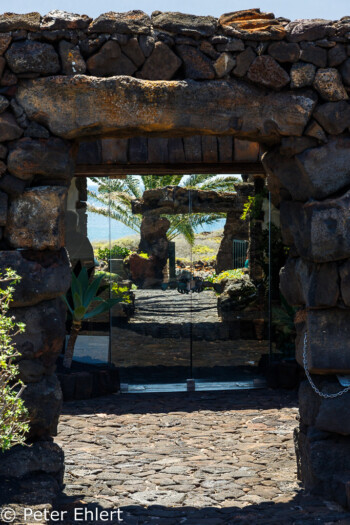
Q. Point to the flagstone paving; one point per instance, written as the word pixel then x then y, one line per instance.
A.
pixel 192 459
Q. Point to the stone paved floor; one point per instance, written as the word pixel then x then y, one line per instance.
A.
pixel 192 459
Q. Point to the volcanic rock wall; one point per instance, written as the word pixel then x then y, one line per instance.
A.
pixel 286 85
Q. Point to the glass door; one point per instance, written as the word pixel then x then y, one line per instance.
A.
pixel 230 311
pixel 150 328
pixel 192 279
pixel 87 237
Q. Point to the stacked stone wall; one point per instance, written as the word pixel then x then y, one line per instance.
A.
pixel 64 77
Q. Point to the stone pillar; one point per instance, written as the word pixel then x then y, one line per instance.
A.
pixel 311 184
pixel 255 234
pixel 154 242
pixel 33 203
pixel 235 228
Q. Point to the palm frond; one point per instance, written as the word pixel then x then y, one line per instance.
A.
pixel 116 197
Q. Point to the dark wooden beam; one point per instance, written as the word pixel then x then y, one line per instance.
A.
pixel 110 170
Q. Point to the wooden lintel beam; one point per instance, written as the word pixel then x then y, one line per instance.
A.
pixel 109 170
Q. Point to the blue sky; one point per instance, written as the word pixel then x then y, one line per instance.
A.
pixel 333 10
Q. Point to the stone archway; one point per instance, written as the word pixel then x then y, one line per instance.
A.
pixel 248 75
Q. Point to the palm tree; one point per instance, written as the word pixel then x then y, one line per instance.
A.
pixel 116 196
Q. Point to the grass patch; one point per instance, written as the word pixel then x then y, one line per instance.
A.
pixel 202 249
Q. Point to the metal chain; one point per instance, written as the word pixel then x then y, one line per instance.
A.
pixel 314 387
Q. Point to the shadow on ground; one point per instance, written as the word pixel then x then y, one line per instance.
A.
pixel 303 509
pixel 185 402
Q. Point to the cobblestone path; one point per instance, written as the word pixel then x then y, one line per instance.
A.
pixel 191 459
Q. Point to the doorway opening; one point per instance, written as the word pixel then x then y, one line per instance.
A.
pixel 193 276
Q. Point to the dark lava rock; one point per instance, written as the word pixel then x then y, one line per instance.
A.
pixel 36 218
pixel 43 456
pixel 44 275
pixel 8 79
pixel 328 328
pixel 243 62
pixel 12 185
pixel 5 41
pixel 9 129
pixel 266 71
pixel 145 273
pixel 336 55
pixel 328 218
pixel 344 272
pixel 304 283
pixel 89 46
pixel 236 296
pixel 313 54
pixel 4 103
pixel 3 210
pixel 207 48
pixel 2 65
pixel 45 330
pixel 284 51
pixel 146 44
pixel 132 22
pixel 234 44
pixel 197 65
pixel 334 117
pixel 36 131
pixel 328 83
pixel 50 158
pixel 224 64
pixel 315 130
pixel 302 75
pixel 314 29
pixel 13 21
pixel 32 370
pixel 72 61
pixel 345 72
pixel 184 24
pixel 162 64
pixel 110 61
pixel 3 151
pixel 133 51
pixel 62 20
pixel 32 57
pixel 44 403
pixel 293 145
pixel 299 176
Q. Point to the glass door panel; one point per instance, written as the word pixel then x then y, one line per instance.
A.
pixel 86 232
pixel 150 333
pixel 230 314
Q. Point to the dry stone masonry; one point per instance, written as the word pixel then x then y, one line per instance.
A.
pixel 65 79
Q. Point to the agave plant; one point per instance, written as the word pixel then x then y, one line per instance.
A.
pixel 83 293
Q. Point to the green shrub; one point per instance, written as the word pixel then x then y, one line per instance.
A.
pixel 201 248
pixel 108 276
pixel 13 424
pixel 143 255
pixel 121 292
pixel 116 252
pixel 229 274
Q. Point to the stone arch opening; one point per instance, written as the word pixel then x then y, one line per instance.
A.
pixel 282 84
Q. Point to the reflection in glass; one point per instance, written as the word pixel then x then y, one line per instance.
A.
pixel 191 270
